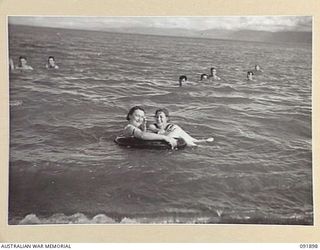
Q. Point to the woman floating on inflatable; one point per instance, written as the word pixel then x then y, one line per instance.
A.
pixel 136 129
pixel 163 135
pixel 162 127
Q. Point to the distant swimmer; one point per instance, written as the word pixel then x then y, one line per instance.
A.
pixel 204 77
pixel 22 65
pixel 51 63
pixel 163 127
pixel 213 74
pixel 257 69
pixel 182 79
pixel 250 76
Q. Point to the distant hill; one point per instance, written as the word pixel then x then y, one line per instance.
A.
pixel 260 36
pixel 241 35
pixel 156 31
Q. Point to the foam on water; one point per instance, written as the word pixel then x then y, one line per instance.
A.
pixel 16 103
pixel 219 217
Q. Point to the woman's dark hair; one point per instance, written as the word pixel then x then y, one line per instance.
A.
pixel 51 57
pixel 202 76
pixel 132 110
pixel 182 77
pixel 212 68
pixel 163 110
pixel 250 72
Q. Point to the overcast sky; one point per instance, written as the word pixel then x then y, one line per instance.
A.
pixel 266 23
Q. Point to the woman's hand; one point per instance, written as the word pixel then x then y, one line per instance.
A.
pixel 171 141
pixel 11 64
pixel 161 131
pixel 144 124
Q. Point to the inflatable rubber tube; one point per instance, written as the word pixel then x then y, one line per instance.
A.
pixel 133 142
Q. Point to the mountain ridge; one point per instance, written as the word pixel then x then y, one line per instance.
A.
pixel 222 34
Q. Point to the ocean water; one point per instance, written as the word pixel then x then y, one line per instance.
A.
pixel 65 167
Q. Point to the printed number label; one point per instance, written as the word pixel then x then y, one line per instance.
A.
pixel 308 245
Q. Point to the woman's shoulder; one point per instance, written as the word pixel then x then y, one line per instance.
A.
pixel 129 130
pixel 50 67
pixel 129 127
pixel 170 127
pixel 24 68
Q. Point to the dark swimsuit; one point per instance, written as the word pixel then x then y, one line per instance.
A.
pixel 168 127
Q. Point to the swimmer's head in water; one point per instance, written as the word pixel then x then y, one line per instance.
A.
pixel 213 70
pixel 132 110
pixel 203 77
pixel 182 79
pixel 161 111
pixel 22 61
pixel 51 61
pixel 250 75
pixel 257 67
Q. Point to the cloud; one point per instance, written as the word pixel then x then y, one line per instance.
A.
pixel 267 23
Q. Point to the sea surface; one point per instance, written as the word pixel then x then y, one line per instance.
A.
pixel 65 167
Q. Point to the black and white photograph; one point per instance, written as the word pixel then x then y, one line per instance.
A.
pixel 160 120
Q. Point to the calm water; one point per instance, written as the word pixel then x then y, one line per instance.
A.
pixel 65 167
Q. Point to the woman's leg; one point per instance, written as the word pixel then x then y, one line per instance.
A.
pixel 180 133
